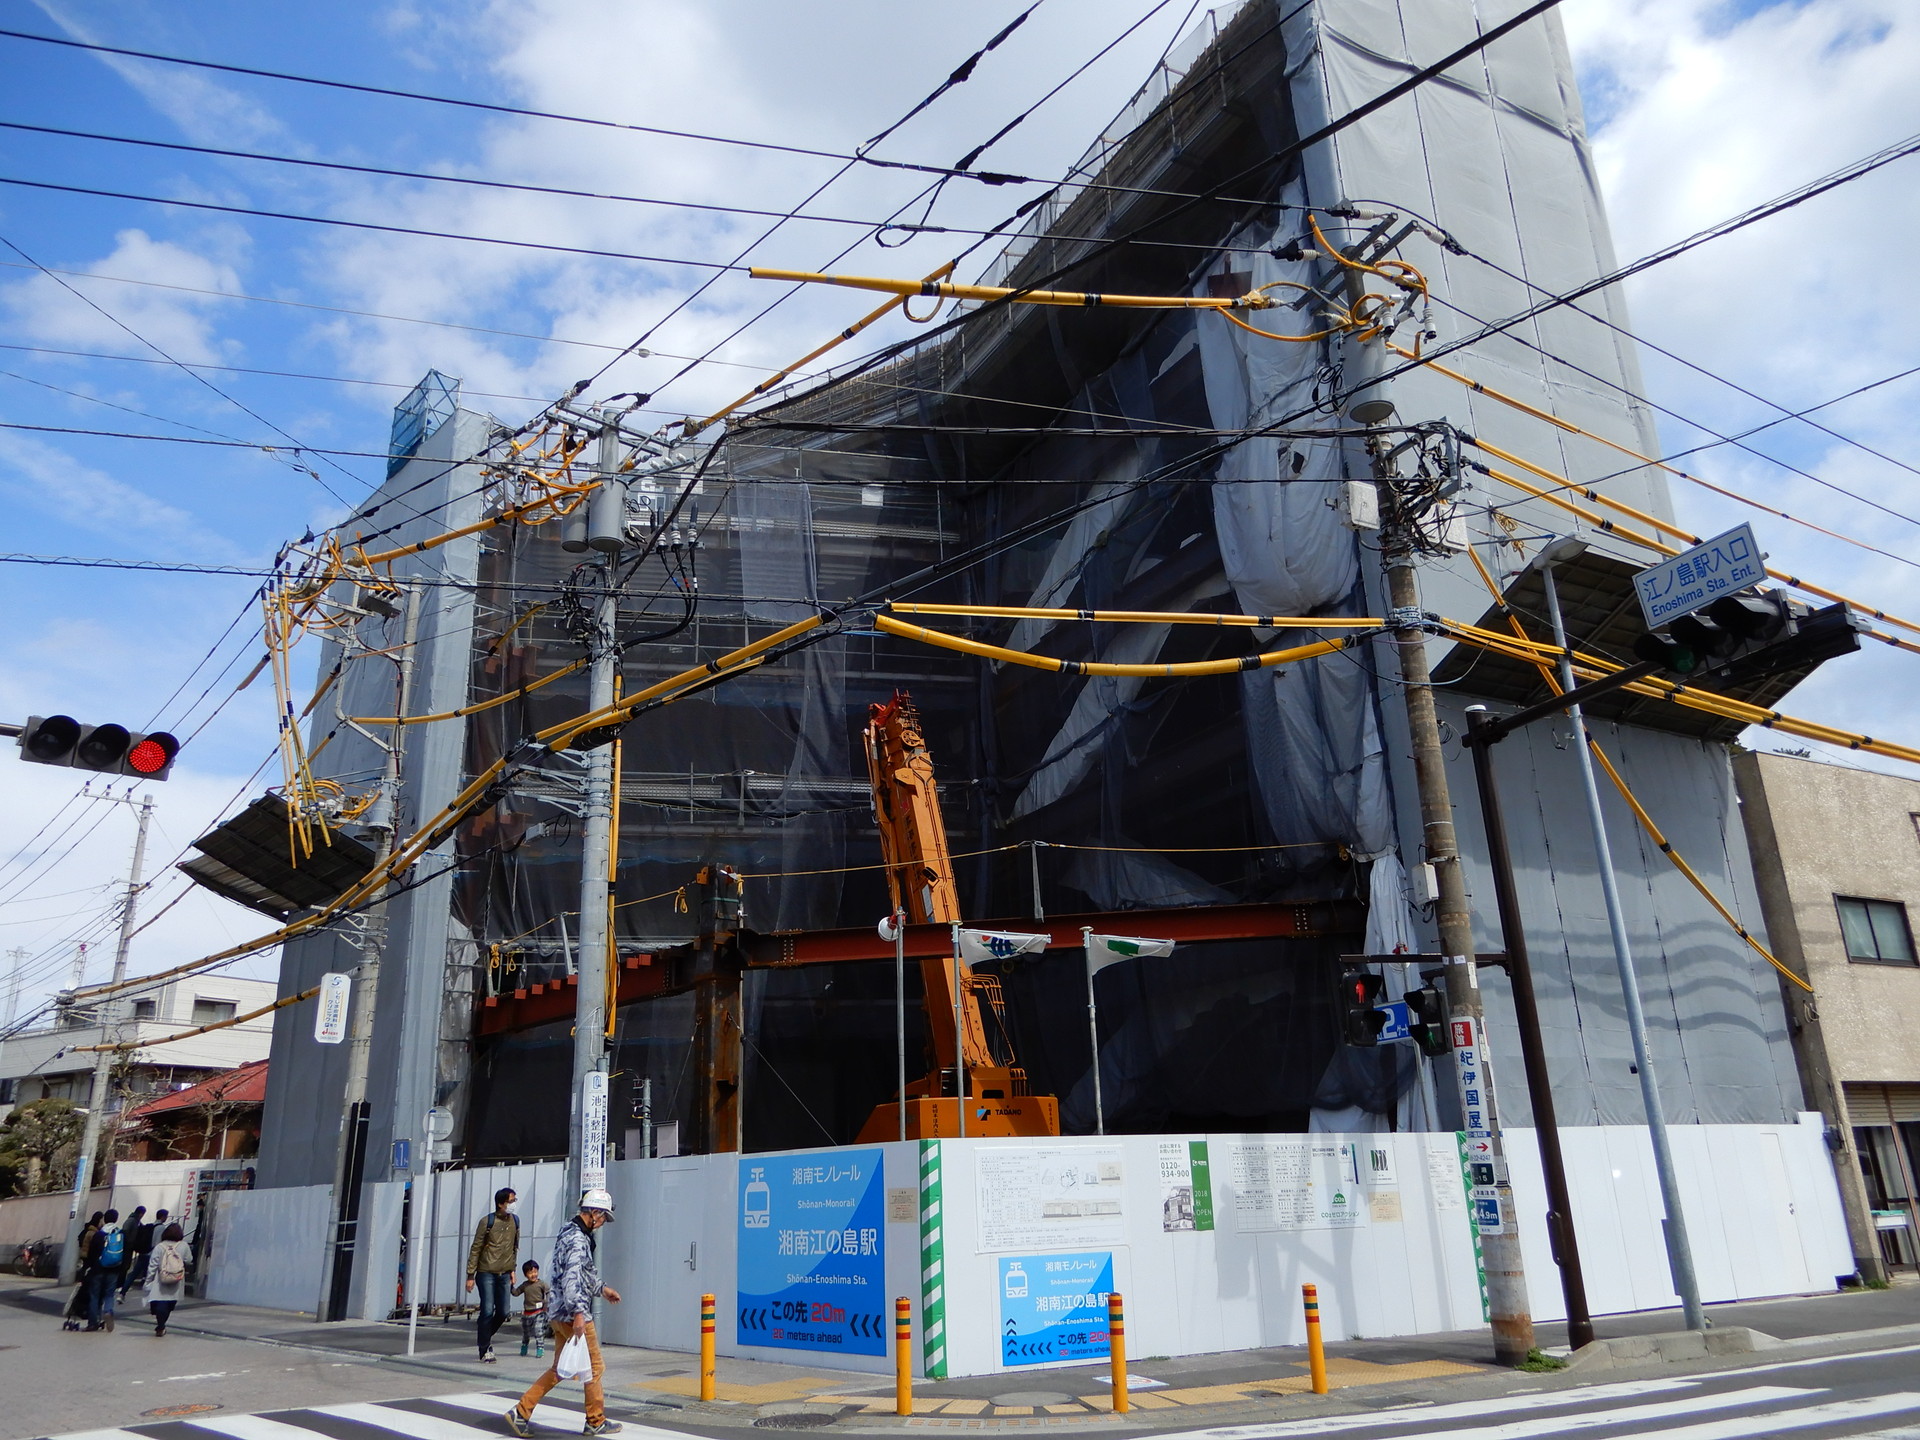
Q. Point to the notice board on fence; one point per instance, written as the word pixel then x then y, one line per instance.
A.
pixel 1294 1182
pixel 812 1252
pixel 1047 1197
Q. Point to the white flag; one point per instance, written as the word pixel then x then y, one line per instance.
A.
pixel 1105 950
pixel 979 945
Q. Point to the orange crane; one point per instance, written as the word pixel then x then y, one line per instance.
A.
pixel 913 843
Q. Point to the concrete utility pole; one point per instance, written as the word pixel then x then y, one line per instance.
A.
pixel 1500 1252
pixel 109 1009
pixel 350 1161
pixel 1679 1251
pixel 607 507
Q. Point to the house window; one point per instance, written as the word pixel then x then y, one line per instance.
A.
pixel 1876 931
pixel 211 1012
pixel 143 1009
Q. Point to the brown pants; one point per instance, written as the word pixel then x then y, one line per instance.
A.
pixel 596 1396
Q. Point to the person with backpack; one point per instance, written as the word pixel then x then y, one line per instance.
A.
pixel 108 1254
pixel 139 1246
pixel 490 1261
pixel 167 1275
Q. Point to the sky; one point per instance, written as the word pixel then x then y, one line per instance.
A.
pixel 307 334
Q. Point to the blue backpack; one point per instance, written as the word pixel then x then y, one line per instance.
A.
pixel 114 1249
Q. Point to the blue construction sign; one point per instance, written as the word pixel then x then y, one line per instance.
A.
pixel 812 1252
pixel 1054 1307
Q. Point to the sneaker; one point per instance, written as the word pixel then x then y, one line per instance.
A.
pixel 605 1427
pixel 487 1359
pixel 107 1324
pixel 516 1422
pixel 523 1349
pixel 539 1352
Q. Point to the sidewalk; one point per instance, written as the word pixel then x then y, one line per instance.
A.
pixel 1248 1385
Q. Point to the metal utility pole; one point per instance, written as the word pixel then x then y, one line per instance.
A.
pixel 1526 1012
pixel 596 846
pixel 18 955
pixel 1500 1249
pixel 350 1161
pixel 1679 1251
pixel 109 1009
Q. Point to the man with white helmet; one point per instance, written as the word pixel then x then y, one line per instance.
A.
pixel 575 1278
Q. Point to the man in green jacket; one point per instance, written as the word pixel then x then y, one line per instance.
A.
pixel 490 1264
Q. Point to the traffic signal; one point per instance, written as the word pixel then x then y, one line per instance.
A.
pixel 1750 634
pixel 1427 1017
pixel 1356 1002
pixel 106 749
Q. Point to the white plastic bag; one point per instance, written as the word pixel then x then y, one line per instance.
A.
pixel 573 1361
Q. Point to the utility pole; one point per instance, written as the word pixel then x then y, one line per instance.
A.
pixel 1679 1251
pixel 350 1161
pixel 1561 1239
pixel 606 520
pixel 18 955
pixel 109 1009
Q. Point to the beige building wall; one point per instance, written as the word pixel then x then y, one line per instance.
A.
pixel 1819 831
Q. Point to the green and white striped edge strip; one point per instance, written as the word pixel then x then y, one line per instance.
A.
pixel 933 1279
pixel 1479 1252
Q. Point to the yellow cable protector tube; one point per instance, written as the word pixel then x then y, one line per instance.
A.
pixel 1096 667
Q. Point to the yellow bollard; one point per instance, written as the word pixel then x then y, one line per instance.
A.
pixel 706 1347
pixel 903 1356
pixel 1316 1352
pixel 1117 1349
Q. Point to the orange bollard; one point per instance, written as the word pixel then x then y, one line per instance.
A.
pixel 1316 1352
pixel 706 1347
pixel 1117 1350
pixel 903 1356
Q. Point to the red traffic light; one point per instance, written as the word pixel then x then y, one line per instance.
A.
pixel 106 749
pixel 151 754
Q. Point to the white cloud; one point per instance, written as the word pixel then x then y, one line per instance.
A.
pixel 183 325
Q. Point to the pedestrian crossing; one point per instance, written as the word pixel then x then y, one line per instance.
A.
pixel 474 1416
pixel 1641 1410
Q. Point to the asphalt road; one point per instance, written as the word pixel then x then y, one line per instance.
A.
pixel 82 1379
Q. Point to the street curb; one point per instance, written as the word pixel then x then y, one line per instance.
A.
pixel 1670 1348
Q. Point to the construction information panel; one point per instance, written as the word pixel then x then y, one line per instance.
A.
pixel 1294 1183
pixel 813 1252
pixel 1053 1308
pixel 1041 1199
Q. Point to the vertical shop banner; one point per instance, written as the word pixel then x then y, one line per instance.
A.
pixel 812 1252
pixel 1053 1308
pixel 1186 1186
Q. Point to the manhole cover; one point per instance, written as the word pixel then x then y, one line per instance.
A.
pixel 806 1420
pixel 1032 1397
pixel 173 1412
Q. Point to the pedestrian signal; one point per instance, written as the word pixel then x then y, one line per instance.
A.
pixel 1356 1001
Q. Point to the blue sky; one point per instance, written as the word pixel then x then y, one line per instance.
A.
pixel 1707 108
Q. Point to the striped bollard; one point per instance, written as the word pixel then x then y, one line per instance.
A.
pixel 1316 1352
pixel 903 1356
pixel 706 1347
pixel 1117 1350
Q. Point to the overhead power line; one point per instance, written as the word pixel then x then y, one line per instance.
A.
pixel 367 225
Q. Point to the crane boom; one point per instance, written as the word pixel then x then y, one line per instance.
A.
pixel 913 843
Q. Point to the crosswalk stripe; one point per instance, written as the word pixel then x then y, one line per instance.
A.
pixel 1427 1414
pixel 252 1427
pixel 416 1427
pixel 1636 1414
pixel 1838 1412
pixel 564 1417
